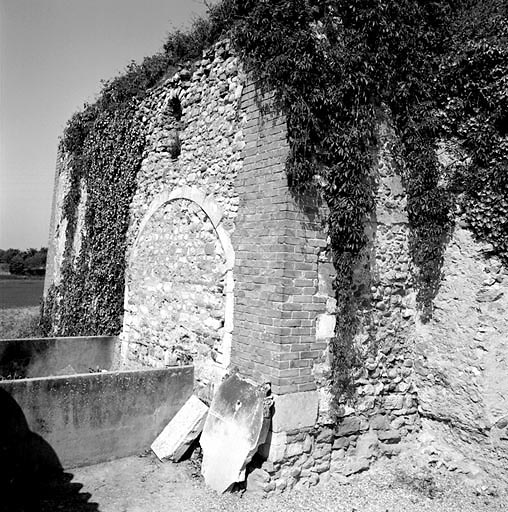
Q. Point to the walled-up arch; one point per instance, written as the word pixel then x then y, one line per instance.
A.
pixel 179 286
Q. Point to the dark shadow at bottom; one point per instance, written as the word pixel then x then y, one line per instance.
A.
pixel 31 476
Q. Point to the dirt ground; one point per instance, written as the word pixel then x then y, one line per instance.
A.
pixel 143 484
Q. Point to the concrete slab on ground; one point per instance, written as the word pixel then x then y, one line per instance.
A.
pixel 181 431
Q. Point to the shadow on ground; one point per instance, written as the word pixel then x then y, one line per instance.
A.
pixel 31 476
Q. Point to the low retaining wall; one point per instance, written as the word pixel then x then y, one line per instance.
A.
pixel 76 420
pixel 41 357
pixel 93 418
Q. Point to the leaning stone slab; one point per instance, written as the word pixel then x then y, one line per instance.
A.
pixel 179 433
pixel 235 426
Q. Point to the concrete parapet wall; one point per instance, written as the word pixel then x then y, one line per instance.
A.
pixel 87 419
pixel 41 357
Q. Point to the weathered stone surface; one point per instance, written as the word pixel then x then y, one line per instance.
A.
pixel 181 431
pixel 179 293
pixel 379 422
pixel 257 481
pixel 394 401
pixel 294 411
pixel 352 465
pixel 367 445
pixel 389 436
pixel 461 375
pixel 325 436
pixel 233 430
pixel 325 326
pixel 341 442
pixel 450 373
pixel 348 426
pixel 274 447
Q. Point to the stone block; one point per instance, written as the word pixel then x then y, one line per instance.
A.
pixel 325 326
pixel 295 411
pixel 257 480
pixel 325 279
pixel 389 436
pixel 338 455
pixel 394 183
pixel 307 444
pixel 394 401
pixel 181 431
pixel 322 451
pixel 379 422
pixel 313 479
pixel 274 449
pixel 321 468
pixel 341 443
pixel 367 445
pixel 391 217
pixel 280 484
pixel 349 425
pixel 390 450
pixel 325 436
pixel 355 465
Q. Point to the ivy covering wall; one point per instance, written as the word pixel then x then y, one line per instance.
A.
pixel 105 143
pixel 438 69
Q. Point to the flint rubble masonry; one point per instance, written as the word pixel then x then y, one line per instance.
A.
pixel 226 268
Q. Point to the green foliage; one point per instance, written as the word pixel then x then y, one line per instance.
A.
pixel 299 50
pixel 93 284
pixel 17 266
pixel 475 112
pixel 181 47
pixel 105 142
pixel 337 67
pixel 6 255
pixel 28 262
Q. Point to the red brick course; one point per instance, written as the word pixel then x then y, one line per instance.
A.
pixel 276 249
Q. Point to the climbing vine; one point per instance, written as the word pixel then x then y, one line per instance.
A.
pixel 475 114
pixel 336 66
pixel 440 71
pixel 104 143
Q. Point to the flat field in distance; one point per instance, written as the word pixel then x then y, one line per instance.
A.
pixel 18 292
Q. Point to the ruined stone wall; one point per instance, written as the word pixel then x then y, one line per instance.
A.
pixel 178 303
pixel 385 408
pixel 306 444
pixel 438 389
pixel 462 363
pixel 58 225
pixel 227 268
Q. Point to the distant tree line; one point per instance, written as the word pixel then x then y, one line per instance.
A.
pixel 31 262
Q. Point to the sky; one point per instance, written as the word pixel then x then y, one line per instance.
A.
pixel 53 54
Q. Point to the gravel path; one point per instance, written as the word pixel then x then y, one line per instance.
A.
pixel 143 484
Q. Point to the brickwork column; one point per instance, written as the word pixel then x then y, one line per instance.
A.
pixel 281 326
pixel 277 244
